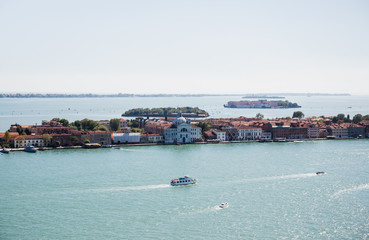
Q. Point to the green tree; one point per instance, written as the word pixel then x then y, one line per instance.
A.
pixel 133 123
pixel 205 126
pixel 46 138
pixel 74 140
pixel 77 124
pixel 340 117
pixel 259 116
pixel 114 124
pixel 140 130
pixel 347 119
pixel 64 122
pixel 357 118
pixel 101 128
pixel 89 125
pixel 366 117
pixel 298 114
pixel 27 131
pixel 20 129
pixel 7 138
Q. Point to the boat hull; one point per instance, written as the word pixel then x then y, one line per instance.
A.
pixel 182 184
pixel 183 181
pixel 30 149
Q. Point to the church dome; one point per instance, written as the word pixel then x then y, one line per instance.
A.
pixel 179 119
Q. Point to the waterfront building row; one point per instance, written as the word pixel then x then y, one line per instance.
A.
pixel 181 130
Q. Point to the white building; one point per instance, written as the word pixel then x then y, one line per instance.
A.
pixel 151 138
pixel 126 137
pixel 196 133
pixel 181 131
pixel 29 140
pixel 221 135
pixel 249 133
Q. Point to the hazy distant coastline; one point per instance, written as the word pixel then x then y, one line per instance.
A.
pixel 91 95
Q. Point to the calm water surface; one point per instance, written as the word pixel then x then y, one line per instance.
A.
pixel 272 191
pixel 34 110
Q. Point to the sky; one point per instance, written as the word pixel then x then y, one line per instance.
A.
pixel 181 47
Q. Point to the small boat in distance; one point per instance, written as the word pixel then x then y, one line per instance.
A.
pixel 223 205
pixel 186 180
pixel 30 149
pixel 319 173
pixel 5 150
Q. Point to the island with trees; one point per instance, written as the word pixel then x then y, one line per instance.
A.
pixel 261 104
pixel 59 132
pixel 189 112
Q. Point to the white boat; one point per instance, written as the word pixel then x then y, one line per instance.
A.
pixel 223 205
pixel 4 150
pixel 30 149
pixel 186 180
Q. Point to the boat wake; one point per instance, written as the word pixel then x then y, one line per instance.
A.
pixel 351 190
pixel 130 150
pixel 290 176
pixel 133 188
pixel 216 208
pixel 202 211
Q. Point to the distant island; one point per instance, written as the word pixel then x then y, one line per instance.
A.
pixel 189 112
pixel 118 95
pixel 272 95
pixel 261 104
pixel 262 96
pixel 92 95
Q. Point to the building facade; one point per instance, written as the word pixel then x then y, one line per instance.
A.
pixel 29 140
pixel 151 138
pixel 221 135
pixel 100 137
pixel 181 131
pixel 127 137
pixel 249 133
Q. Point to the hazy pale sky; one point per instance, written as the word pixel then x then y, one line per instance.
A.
pixel 192 46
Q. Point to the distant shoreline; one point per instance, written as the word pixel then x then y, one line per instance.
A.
pixel 127 95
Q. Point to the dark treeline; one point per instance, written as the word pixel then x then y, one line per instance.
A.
pixel 163 111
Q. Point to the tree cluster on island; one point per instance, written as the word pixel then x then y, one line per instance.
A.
pixel 261 104
pixel 164 111
pixel 287 104
pixel 340 118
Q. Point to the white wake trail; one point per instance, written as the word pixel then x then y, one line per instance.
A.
pixel 350 190
pixel 273 178
pixel 131 188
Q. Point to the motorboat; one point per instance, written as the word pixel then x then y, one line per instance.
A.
pixel 5 150
pixel 30 149
pixel 319 173
pixel 223 205
pixel 186 180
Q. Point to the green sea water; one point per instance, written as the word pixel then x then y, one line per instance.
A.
pixel 272 191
